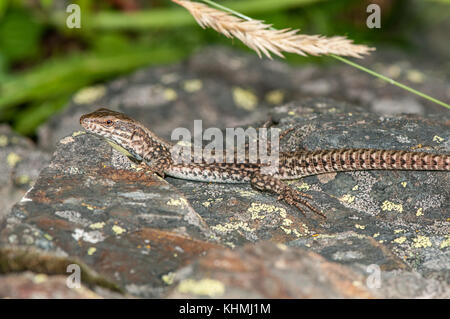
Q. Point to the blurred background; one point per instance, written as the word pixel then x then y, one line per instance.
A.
pixel 43 63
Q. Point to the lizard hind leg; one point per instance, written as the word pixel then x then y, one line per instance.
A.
pixel 291 196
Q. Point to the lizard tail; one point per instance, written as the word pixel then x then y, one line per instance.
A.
pixel 318 162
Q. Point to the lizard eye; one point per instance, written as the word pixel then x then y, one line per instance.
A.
pixel 109 122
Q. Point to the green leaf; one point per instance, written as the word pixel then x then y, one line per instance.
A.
pixel 61 76
pixel 3 6
pixel 19 35
pixel 46 3
pixel 26 121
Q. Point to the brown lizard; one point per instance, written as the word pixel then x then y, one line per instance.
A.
pixel 155 152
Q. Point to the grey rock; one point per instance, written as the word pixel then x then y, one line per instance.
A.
pixel 29 285
pixel 140 231
pixel 267 270
pixel 393 106
pixel 270 270
pixel 386 233
pixel 20 164
pixel 228 88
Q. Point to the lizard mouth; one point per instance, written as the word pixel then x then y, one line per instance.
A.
pixel 84 122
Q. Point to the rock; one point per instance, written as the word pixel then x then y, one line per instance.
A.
pixel 27 272
pixel 91 203
pixel 386 233
pixel 391 106
pixel 142 232
pixel 228 88
pixel 39 286
pixel 270 270
pixel 20 164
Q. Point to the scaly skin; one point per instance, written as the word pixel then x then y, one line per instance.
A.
pixel 155 152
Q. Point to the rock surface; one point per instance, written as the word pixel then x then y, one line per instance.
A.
pixel 228 88
pixel 269 270
pixel 141 232
pixel 20 164
pixel 136 235
pixel 39 286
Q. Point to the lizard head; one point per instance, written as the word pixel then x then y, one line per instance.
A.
pixel 114 126
pixel 109 124
pixel 123 131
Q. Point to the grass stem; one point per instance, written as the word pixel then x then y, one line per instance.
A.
pixel 344 60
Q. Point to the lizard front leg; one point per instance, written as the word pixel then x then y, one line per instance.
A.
pixel 158 168
pixel 289 195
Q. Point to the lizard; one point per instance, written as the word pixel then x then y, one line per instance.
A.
pixel 155 153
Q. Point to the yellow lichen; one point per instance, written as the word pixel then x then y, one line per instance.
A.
pixel 400 240
pixel 247 193
pixel 419 212
pixel 422 242
pixel 286 230
pixel 394 71
pixel 39 278
pixel 168 278
pixel 12 159
pixel 203 287
pixel 244 99
pixel 88 206
pixel 415 76
pixel 303 186
pixel 181 202
pixel 296 233
pixel 23 179
pixel 192 85
pixel 137 168
pixel 99 225
pixel 90 94
pixel 390 206
pixel 228 227
pixel 3 140
pixel 437 139
pixel 170 94
pixel 404 184
pixel 347 198
pixel 206 204
pixel 258 207
pixel 360 226
pixel 256 215
pixel 118 230
pixel 275 97
pixel 445 243
pixel 91 251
